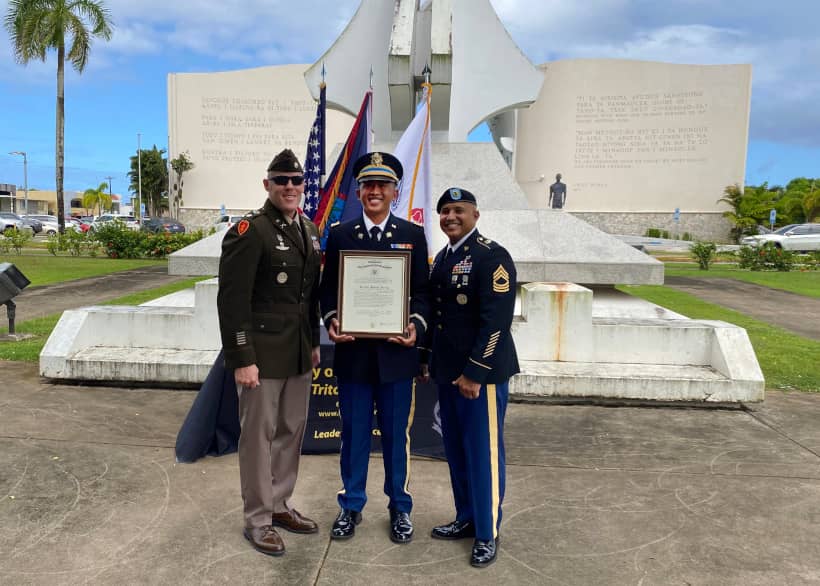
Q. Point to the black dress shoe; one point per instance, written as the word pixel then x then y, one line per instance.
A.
pixel 454 530
pixel 345 524
pixel 401 527
pixel 483 553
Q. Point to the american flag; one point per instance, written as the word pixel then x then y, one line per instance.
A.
pixel 315 159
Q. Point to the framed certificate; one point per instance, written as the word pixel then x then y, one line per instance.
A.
pixel 374 293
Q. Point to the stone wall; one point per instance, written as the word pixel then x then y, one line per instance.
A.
pixel 204 218
pixel 635 136
pixel 702 226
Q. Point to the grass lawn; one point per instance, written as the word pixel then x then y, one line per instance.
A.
pixel 803 283
pixel 29 350
pixel 788 361
pixel 47 269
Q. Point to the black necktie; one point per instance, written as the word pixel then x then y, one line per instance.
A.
pixel 447 253
pixel 374 233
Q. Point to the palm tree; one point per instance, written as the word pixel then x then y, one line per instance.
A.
pixel 36 26
pixel 97 197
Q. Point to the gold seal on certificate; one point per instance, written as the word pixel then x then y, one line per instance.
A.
pixel 374 293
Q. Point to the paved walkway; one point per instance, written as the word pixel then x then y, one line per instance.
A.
pixel 44 300
pixel 90 494
pixel 797 313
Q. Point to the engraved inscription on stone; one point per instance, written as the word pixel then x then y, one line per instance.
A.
pixel 641 130
pixel 245 129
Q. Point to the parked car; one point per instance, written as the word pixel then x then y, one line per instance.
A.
pixel 11 221
pixel 758 239
pixel 36 225
pixel 129 221
pixel 798 237
pixel 51 225
pixel 225 222
pixel 168 225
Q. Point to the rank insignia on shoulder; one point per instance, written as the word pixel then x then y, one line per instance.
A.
pixel 243 226
pixel 335 224
pixel 501 280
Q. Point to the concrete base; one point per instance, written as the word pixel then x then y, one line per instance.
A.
pixel 572 342
pixel 174 341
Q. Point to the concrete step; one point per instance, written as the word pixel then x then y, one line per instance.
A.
pixel 166 365
pixel 628 381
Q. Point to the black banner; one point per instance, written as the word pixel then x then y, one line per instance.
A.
pixel 212 424
pixel 324 425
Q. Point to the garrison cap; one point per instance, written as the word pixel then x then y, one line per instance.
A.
pixel 285 162
pixel 453 195
pixel 378 167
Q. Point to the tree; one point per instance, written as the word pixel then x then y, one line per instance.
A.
pixel 97 197
pixel 750 207
pixel 154 180
pixel 37 26
pixel 180 165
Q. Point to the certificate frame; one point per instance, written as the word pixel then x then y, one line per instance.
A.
pixel 374 293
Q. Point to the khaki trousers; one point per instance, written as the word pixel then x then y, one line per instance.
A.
pixel 272 417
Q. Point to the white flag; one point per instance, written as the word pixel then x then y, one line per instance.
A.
pixel 415 200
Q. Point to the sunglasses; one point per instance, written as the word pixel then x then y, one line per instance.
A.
pixel 283 179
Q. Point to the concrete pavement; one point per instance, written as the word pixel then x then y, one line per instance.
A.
pixel 90 494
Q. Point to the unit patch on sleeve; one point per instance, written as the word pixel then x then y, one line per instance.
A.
pixel 243 226
pixel 501 280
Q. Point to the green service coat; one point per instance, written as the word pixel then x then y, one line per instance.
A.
pixel 268 293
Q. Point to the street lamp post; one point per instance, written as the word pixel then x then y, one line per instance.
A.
pixel 110 194
pixel 139 177
pixel 25 177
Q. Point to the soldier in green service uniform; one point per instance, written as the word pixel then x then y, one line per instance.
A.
pixel 269 322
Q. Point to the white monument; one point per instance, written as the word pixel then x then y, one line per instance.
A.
pixel 576 335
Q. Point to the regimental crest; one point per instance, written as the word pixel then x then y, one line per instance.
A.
pixel 501 280
pixel 377 159
pixel 455 194
pixel 243 226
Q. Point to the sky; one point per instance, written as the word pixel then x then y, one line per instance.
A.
pixel 122 92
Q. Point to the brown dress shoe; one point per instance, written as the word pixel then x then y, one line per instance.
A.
pixel 294 522
pixel 265 539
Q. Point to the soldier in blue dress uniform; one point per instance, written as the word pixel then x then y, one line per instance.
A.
pixel 471 357
pixel 376 372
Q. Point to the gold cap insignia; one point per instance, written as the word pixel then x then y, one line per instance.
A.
pixel 501 280
pixel 377 159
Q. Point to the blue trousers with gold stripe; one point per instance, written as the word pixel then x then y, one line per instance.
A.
pixel 395 404
pixel 473 432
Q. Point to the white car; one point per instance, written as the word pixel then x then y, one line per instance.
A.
pixel 51 225
pixel 225 222
pixel 798 237
pixel 129 221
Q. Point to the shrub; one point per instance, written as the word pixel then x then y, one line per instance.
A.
pixel 5 244
pixel 17 239
pixel 766 258
pixel 703 253
pixel 653 233
pixel 119 241
pixel 665 234
pixel 687 237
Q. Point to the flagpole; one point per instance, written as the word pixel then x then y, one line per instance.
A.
pixel 429 90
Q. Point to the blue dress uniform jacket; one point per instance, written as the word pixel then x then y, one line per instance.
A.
pixel 473 293
pixel 268 299
pixel 472 300
pixel 368 360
